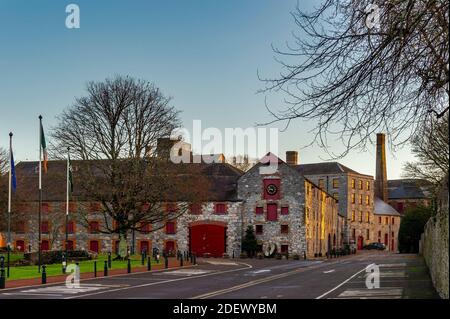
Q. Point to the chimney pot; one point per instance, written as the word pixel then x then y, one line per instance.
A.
pixel 292 157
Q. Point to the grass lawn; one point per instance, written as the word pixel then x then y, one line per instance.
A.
pixel 27 272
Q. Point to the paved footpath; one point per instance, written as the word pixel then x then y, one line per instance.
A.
pixel 401 276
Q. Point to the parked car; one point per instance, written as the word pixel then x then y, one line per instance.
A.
pixel 377 246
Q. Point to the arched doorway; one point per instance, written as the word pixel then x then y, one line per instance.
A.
pixel 360 242
pixel 208 239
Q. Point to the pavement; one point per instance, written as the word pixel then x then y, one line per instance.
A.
pixel 400 276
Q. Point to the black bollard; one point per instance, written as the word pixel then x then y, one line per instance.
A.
pixel 109 260
pixel 64 263
pixel 304 255
pixel 129 266
pixel 44 274
pixel 143 259
pixel 95 269
pixel 181 262
pixel 166 262
pixel 195 259
pixel 2 278
pixel 149 263
pixel 191 256
pixel 105 269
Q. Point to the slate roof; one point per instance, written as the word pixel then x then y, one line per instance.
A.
pixel 408 189
pixel 221 179
pixel 383 208
pixel 325 168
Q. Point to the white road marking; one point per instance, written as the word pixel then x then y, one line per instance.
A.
pixel 343 283
pixel 59 291
pixel 328 271
pixel 261 271
pixel 247 266
pixel 399 265
pixel 222 263
pixel 186 272
pixel 387 292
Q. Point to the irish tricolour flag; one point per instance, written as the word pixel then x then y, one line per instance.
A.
pixel 44 149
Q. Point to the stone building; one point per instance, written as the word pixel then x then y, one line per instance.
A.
pixel 288 211
pixel 353 190
pixel 290 214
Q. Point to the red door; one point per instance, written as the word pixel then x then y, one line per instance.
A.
pixel 386 242
pixel 93 246
pixel 208 239
pixel 360 242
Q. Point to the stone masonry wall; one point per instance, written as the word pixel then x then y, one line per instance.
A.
pixel 435 245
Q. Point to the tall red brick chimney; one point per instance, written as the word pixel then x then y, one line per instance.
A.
pixel 381 174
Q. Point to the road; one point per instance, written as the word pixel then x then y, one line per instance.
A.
pixel 401 276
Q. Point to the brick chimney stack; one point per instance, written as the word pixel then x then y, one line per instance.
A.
pixel 381 174
pixel 292 157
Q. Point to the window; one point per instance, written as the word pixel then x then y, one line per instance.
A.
pixel 368 185
pixel 285 210
pixel 336 195
pixel 221 209
pixel 70 227
pixel 195 209
pixel 94 246
pixel 368 217
pixel 360 217
pixel 354 234
pixel 393 220
pixel 45 227
pixel 272 214
pixel 146 228
pixel 271 189
pixel 360 184
pixel 285 229
pixel 379 234
pixel 170 246
pixel 367 234
pixel 353 183
pixel 20 227
pixel 46 208
pixel 360 199
pixel 171 207
pixel 259 229
pixel 20 245
pixel 321 183
pixel 367 200
pixel 353 216
pixel 70 245
pixel 95 207
pixel 284 249
pixel 353 198
pixel 335 183
pixel 45 245
pixel 379 220
pixel 170 228
pixel 259 211
pixel 386 220
pixel 94 227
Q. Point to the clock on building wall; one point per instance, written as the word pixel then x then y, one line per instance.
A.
pixel 271 189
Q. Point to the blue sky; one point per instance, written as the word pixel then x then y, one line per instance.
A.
pixel 203 53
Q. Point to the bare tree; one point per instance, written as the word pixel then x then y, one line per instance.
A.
pixel 114 130
pixel 430 145
pixel 355 77
pixel 4 159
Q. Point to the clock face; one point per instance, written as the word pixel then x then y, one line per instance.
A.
pixel 271 189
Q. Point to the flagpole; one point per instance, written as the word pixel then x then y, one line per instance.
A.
pixel 9 204
pixel 67 201
pixel 40 194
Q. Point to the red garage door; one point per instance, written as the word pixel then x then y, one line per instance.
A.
pixel 208 239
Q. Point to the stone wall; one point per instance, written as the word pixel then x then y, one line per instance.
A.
pixel 434 245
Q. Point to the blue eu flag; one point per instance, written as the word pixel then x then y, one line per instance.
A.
pixel 13 173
